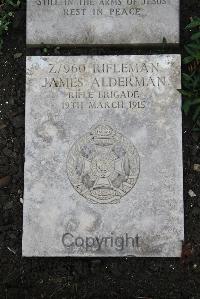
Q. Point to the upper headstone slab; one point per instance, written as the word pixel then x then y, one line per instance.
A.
pixel 102 22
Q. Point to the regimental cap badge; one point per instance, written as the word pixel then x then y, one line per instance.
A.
pixel 103 165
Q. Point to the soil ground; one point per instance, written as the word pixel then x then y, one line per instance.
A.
pixel 94 278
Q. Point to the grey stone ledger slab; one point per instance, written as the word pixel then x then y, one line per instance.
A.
pixel 102 22
pixel 103 157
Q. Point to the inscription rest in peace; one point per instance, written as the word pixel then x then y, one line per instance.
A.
pixel 106 7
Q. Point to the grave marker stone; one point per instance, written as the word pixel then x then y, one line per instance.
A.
pixel 103 158
pixel 102 22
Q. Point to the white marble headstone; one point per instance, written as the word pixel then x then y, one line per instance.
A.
pixel 103 158
pixel 105 22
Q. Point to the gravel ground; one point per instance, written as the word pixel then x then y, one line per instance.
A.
pixel 89 277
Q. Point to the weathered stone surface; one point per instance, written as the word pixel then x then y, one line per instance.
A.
pixel 102 21
pixel 103 162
